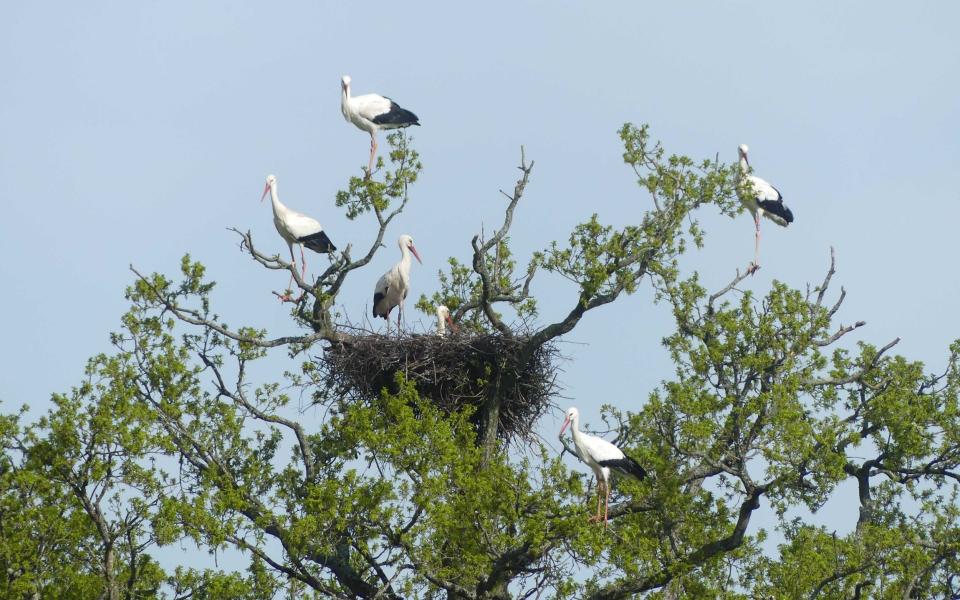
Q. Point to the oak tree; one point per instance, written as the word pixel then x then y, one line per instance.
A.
pixel 394 494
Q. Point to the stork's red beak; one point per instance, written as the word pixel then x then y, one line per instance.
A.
pixel 266 190
pixel 453 326
pixel 565 423
pixel 415 253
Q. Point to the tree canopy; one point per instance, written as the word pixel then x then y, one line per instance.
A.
pixel 171 440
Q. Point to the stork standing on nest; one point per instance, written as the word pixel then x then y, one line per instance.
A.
pixel 296 228
pixel 444 319
pixel 601 456
pixel 373 112
pixel 761 199
pixel 392 287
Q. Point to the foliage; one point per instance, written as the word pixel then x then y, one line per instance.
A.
pixel 171 439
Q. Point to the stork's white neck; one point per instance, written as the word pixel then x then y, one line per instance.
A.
pixel 575 427
pixel 441 325
pixel 278 207
pixel 345 101
pixel 405 260
pixel 579 439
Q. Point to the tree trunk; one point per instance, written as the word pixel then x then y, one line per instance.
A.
pixel 490 424
pixel 113 590
pixel 490 415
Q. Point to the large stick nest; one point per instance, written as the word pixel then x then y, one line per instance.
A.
pixel 453 371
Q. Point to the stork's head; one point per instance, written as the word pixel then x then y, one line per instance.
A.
pixel 743 149
pixel 443 317
pixel 345 82
pixel 406 243
pixel 443 313
pixel 572 415
pixel 271 182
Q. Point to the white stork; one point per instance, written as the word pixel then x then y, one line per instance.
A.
pixel 392 287
pixel 373 112
pixel 601 456
pixel 763 199
pixel 444 319
pixel 296 228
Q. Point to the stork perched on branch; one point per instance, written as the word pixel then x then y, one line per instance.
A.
pixel 601 456
pixel 296 228
pixel 392 287
pixel 373 112
pixel 762 199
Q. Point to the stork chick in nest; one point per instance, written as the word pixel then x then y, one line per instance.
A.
pixel 444 319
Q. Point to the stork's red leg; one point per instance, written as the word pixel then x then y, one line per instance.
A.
pixel 606 506
pixel 596 517
pixel 303 260
pixel 756 245
pixel 600 487
pixel 293 260
pixel 373 153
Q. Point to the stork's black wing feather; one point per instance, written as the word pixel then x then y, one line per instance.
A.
pixel 625 465
pixel 318 242
pixel 776 207
pixel 377 297
pixel 396 117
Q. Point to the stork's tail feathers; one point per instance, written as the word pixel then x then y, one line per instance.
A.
pixel 626 465
pixel 776 211
pixel 318 242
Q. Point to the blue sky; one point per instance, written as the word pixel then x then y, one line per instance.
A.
pixel 133 132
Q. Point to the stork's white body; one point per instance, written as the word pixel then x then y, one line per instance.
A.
pixel 592 449
pixel 600 455
pixel 762 192
pixel 290 224
pixel 362 110
pixel 392 287
pixel 373 112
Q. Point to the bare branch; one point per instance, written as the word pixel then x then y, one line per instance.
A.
pixel 826 280
pixel 737 279
pixel 513 297
pixel 490 287
pixel 839 334
pixel 195 318
pixel 271 262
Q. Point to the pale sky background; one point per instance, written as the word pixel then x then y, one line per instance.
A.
pixel 133 132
